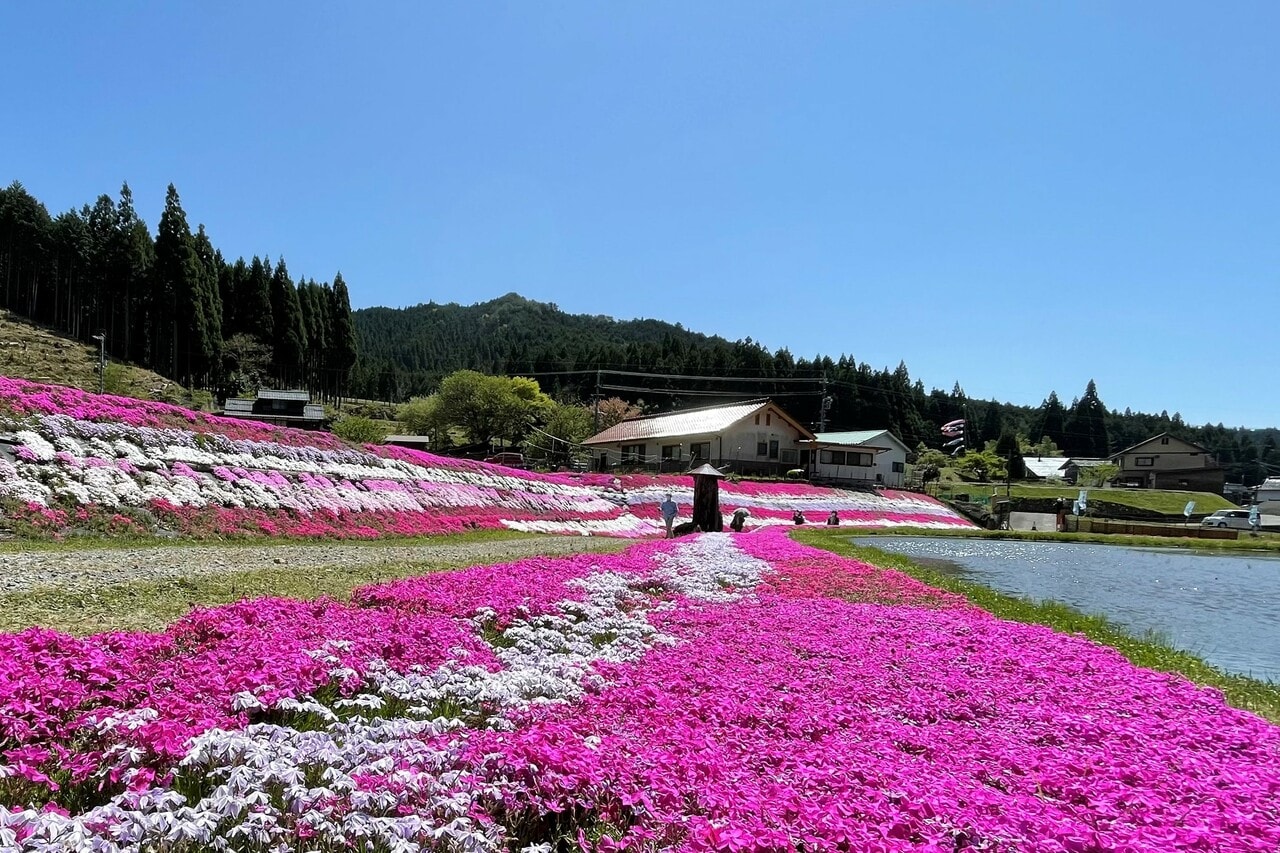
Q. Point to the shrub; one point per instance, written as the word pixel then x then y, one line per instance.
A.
pixel 360 430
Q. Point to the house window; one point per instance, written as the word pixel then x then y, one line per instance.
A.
pixel 757 420
pixel 762 448
pixel 1144 461
pixel 670 451
pixel 773 449
pixel 831 457
pixel 899 467
pixel 632 453
pixel 1164 439
pixel 862 460
pixel 790 457
pixel 700 450
pixel 768 419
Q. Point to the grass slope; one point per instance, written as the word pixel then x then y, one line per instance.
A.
pixel 1158 501
pixel 28 351
pixel 1260 697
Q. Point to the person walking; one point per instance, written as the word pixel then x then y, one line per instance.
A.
pixel 668 509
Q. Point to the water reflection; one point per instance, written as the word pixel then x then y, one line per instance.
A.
pixel 1223 607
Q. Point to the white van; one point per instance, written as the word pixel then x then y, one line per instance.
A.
pixel 1235 518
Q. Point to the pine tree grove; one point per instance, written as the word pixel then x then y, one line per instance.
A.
pixel 170 302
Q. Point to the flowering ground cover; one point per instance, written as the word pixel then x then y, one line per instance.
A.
pixel 719 692
pixel 113 465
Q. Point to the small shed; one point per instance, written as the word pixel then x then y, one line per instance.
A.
pixel 282 408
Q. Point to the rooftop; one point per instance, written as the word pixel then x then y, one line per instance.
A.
pixel 706 421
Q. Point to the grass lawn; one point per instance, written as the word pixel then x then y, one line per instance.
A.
pixel 1260 697
pixel 150 605
pixel 1164 502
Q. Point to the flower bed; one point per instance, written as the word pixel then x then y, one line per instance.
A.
pixel 119 466
pixel 703 694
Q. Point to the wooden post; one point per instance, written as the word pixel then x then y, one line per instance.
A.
pixel 706 499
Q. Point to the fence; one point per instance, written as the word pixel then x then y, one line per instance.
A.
pixel 1094 525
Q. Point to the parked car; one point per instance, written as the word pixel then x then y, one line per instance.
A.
pixel 1236 518
pixel 510 460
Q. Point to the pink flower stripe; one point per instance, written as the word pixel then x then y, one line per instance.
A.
pixel 125 466
pixel 23 397
pixel 787 699
pixel 543 582
pixel 863 727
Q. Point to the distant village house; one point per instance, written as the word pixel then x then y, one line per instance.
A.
pixel 756 437
pixel 861 457
pixel 1168 462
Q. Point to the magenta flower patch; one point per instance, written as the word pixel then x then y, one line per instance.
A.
pixel 712 693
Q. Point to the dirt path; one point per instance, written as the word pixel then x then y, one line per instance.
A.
pixel 93 569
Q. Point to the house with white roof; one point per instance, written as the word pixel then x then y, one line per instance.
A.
pixel 859 457
pixel 1045 467
pixel 752 437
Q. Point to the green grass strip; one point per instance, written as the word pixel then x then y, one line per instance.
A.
pixel 1260 697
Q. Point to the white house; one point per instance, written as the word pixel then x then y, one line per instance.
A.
pixel 1268 495
pixel 754 437
pixel 870 456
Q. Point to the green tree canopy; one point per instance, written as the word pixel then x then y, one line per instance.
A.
pixel 489 407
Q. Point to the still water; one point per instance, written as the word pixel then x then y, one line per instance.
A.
pixel 1224 608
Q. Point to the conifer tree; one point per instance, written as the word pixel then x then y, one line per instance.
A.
pixel 289 342
pixel 1086 429
pixel 183 343
pixel 134 257
pixel 1050 421
pixel 342 339
pixel 314 302
pixel 255 302
pixel 231 279
pixel 210 299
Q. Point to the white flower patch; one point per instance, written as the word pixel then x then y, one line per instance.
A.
pixel 626 525
pixel 270 786
pixel 35 442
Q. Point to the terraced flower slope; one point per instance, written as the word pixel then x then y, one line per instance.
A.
pixel 723 692
pixel 123 465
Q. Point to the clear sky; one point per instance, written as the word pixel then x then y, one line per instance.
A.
pixel 1017 196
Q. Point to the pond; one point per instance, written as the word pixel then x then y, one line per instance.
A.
pixel 1225 608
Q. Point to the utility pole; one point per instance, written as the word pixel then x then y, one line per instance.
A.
pixel 595 420
pixel 826 404
pixel 101 338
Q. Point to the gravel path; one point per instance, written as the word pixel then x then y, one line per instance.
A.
pixel 93 569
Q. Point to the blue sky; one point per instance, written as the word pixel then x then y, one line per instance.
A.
pixel 1017 196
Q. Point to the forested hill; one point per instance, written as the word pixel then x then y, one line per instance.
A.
pixel 404 352
pixel 407 350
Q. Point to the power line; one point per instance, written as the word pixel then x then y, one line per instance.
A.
pixel 676 392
